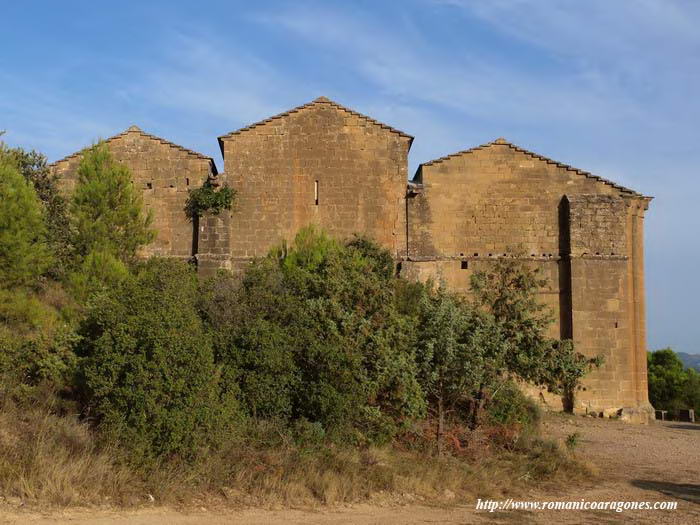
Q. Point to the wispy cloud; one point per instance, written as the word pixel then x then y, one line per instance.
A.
pixel 47 120
pixel 468 81
pixel 644 53
pixel 202 74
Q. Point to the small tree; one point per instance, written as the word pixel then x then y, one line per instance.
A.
pixel 460 354
pixel 24 252
pixel 672 386
pixel 33 167
pixel 567 368
pixel 106 212
pixel 509 291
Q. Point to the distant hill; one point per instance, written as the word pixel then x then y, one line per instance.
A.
pixel 690 360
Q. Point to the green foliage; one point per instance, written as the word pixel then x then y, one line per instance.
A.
pixel 106 212
pixel 33 167
pixel 509 406
pixel 565 370
pixel 509 292
pixel 573 440
pixel 97 272
pixel 460 353
pixel 36 339
pixel 148 371
pixel 209 199
pixel 36 345
pixel 24 252
pixel 672 386
pixel 314 333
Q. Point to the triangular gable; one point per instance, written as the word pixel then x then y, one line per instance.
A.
pixel 319 100
pixel 504 142
pixel 139 131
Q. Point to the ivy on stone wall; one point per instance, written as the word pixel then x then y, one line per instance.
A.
pixel 209 198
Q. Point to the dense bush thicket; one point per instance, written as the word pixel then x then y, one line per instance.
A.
pixel 672 386
pixel 319 340
pixel 313 333
pixel 147 368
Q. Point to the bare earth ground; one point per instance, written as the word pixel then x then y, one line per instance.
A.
pixel 659 462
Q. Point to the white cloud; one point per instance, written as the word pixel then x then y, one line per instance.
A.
pixel 405 66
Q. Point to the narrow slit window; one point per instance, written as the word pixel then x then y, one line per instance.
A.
pixel 316 193
pixel 187 181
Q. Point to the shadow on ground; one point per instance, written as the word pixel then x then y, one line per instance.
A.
pixel 683 491
pixel 687 426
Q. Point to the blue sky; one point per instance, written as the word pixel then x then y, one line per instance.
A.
pixel 610 87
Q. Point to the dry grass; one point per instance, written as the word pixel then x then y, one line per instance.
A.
pixel 55 460
pixel 51 460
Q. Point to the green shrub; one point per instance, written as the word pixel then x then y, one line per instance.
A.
pixel 33 167
pixel 460 353
pixel 509 289
pixel 509 406
pixel 209 199
pixel 312 332
pixel 97 272
pixel 672 386
pixel 36 345
pixel 148 370
pixel 572 441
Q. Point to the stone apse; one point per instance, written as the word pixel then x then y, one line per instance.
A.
pixel 322 163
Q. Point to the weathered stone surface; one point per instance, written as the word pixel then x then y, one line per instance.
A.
pixel 585 234
pixel 638 415
pixel 319 164
pixel 164 172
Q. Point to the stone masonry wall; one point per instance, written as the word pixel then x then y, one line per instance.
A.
pixel 469 209
pixel 318 164
pixel 163 172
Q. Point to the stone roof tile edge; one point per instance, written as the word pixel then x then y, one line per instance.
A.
pixel 502 142
pixel 319 100
pixel 134 129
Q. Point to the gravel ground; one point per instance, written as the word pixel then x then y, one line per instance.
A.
pixel 659 462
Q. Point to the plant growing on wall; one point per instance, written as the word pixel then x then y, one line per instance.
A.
pixel 209 199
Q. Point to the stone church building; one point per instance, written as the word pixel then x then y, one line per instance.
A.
pixel 325 164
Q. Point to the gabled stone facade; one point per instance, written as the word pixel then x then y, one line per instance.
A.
pixel 325 164
pixel 164 172
pixel 585 233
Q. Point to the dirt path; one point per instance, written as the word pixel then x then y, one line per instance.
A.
pixel 637 463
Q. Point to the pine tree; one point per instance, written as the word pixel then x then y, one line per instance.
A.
pixel 33 166
pixel 106 213
pixel 24 253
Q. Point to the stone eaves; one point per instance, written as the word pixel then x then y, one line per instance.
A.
pixel 317 101
pixel 503 142
pixel 139 131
